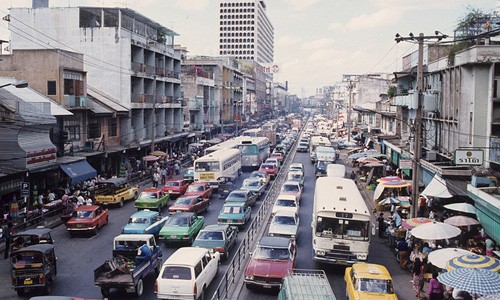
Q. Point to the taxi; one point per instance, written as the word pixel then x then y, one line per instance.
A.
pixel 368 281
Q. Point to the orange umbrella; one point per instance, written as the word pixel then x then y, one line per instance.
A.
pixel 395 184
pixel 389 178
pixel 158 153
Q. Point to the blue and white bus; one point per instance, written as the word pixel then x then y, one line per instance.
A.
pixel 254 151
pixel 211 167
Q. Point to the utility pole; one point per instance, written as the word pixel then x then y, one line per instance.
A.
pixel 153 131
pixel 417 150
pixel 349 78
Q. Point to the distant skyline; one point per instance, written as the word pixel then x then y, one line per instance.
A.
pixel 316 41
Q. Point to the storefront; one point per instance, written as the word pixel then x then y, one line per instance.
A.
pixel 78 171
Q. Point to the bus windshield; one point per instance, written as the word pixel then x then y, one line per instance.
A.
pixel 342 228
pixel 248 149
pixel 206 166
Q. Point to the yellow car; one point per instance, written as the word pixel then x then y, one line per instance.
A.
pixel 114 191
pixel 368 281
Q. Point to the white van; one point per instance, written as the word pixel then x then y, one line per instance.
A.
pixel 187 273
pixel 335 170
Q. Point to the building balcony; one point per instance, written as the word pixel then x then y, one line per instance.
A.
pixel 76 102
pixel 138 67
pixel 409 100
pixel 138 98
pixel 196 103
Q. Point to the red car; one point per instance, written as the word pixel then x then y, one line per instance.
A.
pixel 194 204
pixel 279 156
pixel 87 218
pixel 201 189
pixel 271 261
pixel 176 187
pixel 270 169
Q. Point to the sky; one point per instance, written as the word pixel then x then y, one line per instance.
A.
pixel 316 41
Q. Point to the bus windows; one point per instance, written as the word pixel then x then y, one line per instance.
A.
pixel 206 166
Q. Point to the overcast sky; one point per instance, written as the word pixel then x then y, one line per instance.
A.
pixel 316 41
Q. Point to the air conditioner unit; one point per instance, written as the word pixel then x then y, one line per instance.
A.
pixel 431 155
pixel 89 146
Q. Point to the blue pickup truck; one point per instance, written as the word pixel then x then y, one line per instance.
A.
pixel 134 257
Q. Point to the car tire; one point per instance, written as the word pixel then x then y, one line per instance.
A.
pixel 139 288
pixel 105 292
pixel 135 195
pixel 96 230
pixel 249 286
pixel 21 292
pixel 121 202
pixel 48 288
pixel 107 221
pixel 203 293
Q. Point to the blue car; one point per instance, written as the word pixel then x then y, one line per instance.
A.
pixel 144 221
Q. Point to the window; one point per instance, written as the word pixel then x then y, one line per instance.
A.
pixel 177 273
pixel 112 127
pixel 94 128
pixel 51 88
pixel 197 269
pixel 73 127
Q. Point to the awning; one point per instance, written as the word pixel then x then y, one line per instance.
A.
pixel 437 188
pixel 79 171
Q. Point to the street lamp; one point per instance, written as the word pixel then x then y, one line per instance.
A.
pixel 18 84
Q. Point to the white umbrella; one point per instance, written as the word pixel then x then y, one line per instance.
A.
pixel 440 257
pixel 435 231
pixel 463 207
pixel 461 221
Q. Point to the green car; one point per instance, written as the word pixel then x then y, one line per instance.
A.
pixel 181 227
pixel 153 199
pixel 235 213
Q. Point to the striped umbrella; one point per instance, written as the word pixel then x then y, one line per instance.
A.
pixel 390 200
pixel 476 281
pixel 389 178
pixel 474 261
pixel 414 222
pixel 395 184
pixel 440 257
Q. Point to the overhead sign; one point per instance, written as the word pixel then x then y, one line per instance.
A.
pixel 469 157
pixel 405 164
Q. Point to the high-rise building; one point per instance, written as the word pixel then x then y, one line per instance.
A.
pixel 245 31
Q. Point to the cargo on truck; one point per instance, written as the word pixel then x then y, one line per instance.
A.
pixel 306 284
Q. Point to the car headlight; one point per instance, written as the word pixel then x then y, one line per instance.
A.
pixel 293 236
pixel 320 252
pixel 271 234
pixel 248 277
pixel 361 256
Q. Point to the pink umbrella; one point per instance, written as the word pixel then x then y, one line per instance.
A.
pixel 414 222
pixel 150 158
pixel 461 221
pixel 389 178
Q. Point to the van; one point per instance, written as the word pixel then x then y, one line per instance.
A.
pixel 187 273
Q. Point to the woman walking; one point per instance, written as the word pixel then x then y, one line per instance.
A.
pixel 435 290
pixel 418 277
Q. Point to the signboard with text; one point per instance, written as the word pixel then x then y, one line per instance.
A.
pixel 469 157
pixel 405 164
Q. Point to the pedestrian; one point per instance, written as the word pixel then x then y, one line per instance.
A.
pixel 353 175
pixel 170 171
pixel 422 205
pixel 156 179
pixel 381 225
pixel 490 246
pixel 435 289
pixel 418 277
pixel 432 216
pixel 163 173
pixel 396 218
pixel 402 247
pixel 177 169
pixel 8 232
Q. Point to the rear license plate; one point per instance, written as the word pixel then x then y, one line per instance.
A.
pixel 173 236
pixel 28 281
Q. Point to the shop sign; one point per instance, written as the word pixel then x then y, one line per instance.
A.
pixel 469 157
pixel 10 185
pixel 405 164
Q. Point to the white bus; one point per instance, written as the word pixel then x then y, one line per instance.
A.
pixel 229 144
pixel 341 222
pixel 316 141
pixel 254 151
pixel 255 132
pixel 211 167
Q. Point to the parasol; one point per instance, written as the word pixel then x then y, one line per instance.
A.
pixel 461 221
pixel 158 153
pixel 435 231
pixel 474 261
pixel 475 281
pixel 150 158
pixel 463 207
pixel 440 257
pixel 414 222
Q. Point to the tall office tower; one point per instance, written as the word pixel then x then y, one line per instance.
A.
pixel 245 31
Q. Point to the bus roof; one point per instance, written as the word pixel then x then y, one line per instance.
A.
pixel 229 144
pixel 219 154
pixel 339 195
pixel 248 140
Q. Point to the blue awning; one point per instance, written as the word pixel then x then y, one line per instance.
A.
pixel 79 171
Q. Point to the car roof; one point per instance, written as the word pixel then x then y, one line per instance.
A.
pixel 274 241
pixel 215 227
pixel 231 203
pixel 296 165
pixel 45 248
pixel 287 197
pixel 115 181
pixel 182 215
pixel 87 207
pixel 133 237
pixel 188 197
pixel 371 271
pixel 37 231
pixel 186 256
pixel 258 172
pixel 198 183
pixel 151 190
pixel 285 213
pixel 252 179
pixel 145 213
pixel 240 192
pixel 268 165
pixel 291 182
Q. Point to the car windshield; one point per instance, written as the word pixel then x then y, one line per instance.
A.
pixel 267 167
pixel 178 222
pixel 146 195
pixel 271 253
pixel 176 273
pixel 138 221
pixel 211 236
pixel 195 188
pixel 172 183
pixel 237 195
pixel 257 175
pixel 83 214
pixel 287 203
pixel 252 183
pixel 294 176
pixel 232 210
pixel 183 201
pixel 291 188
pixel 284 220
pixel 379 286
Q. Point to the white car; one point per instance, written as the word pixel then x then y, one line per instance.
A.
pixel 273 161
pixel 297 167
pixel 187 272
pixel 286 203
pixel 255 185
pixel 284 224
pixel 291 188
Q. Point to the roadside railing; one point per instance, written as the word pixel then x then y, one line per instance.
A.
pixel 255 230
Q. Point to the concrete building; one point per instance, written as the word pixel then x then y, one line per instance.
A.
pixel 245 31
pixel 128 57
